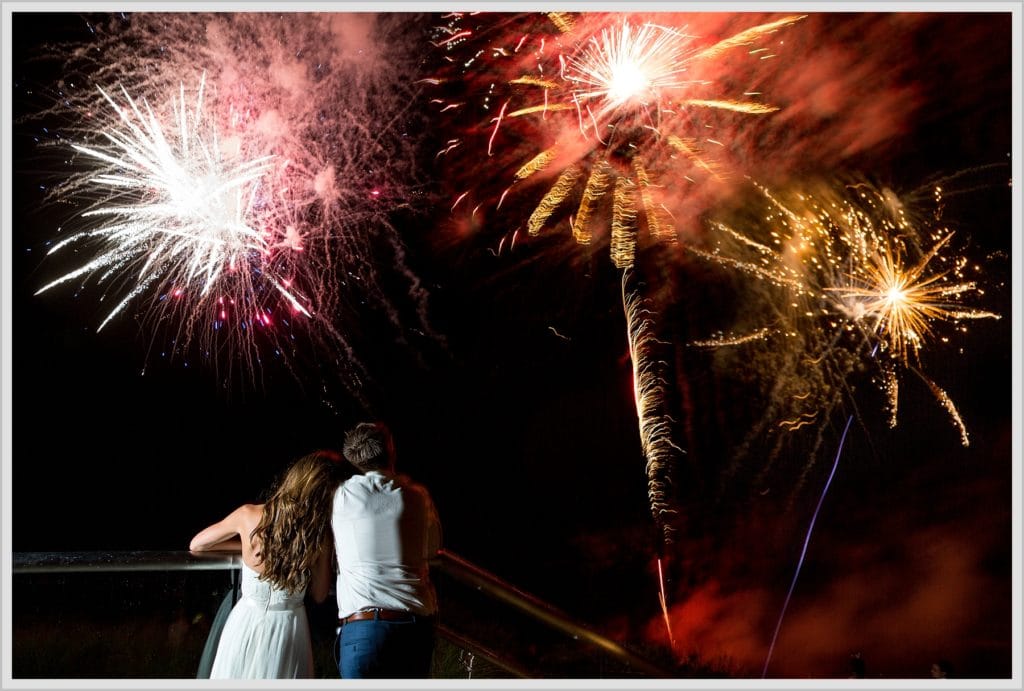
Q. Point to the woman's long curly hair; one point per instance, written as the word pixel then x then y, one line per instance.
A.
pixel 296 522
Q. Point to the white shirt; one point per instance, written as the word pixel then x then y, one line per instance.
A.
pixel 385 529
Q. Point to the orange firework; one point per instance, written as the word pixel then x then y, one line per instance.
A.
pixel 905 301
pixel 596 108
pixel 584 116
pixel 850 272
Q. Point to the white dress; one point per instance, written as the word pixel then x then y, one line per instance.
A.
pixel 266 635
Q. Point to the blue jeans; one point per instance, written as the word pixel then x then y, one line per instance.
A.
pixel 375 649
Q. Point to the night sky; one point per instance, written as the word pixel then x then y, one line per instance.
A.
pixel 518 412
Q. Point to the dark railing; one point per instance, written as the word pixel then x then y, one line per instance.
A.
pixel 448 567
pixel 473 575
pixel 107 562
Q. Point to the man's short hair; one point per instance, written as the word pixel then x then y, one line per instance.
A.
pixel 368 446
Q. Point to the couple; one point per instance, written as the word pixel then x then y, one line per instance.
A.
pixel 383 528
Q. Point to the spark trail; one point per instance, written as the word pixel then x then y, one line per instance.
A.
pixel 649 396
pixel 803 550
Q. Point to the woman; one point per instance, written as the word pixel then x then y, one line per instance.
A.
pixel 286 551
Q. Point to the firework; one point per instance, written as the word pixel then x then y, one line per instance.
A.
pixel 177 212
pixel 851 280
pixel 587 113
pixel 603 105
pixel 237 174
pixel 904 301
pixel 663 601
pixel 803 550
pixel 649 395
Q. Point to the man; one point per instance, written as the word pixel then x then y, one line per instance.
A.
pixel 385 530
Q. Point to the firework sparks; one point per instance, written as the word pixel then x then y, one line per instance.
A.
pixel 905 301
pixel 622 101
pixel 850 273
pixel 649 394
pixel 179 214
pixel 663 601
pixel 625 68
pixel 237 173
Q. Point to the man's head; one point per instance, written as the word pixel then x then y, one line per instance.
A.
pixel 368 446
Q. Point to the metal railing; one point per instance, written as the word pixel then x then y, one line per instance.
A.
pixel 470 574
pixel 446 562
pixel 98 562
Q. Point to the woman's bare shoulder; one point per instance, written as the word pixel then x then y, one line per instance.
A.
pixel 250 513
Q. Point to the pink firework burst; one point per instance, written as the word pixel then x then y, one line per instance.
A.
pixel 238 174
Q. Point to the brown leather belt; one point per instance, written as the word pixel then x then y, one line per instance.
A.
pixel 382 614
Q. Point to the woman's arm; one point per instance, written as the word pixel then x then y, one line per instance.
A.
pixel 230 545
pixel 222 535
pixel 323 574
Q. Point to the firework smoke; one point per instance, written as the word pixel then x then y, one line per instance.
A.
pixel 238 173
